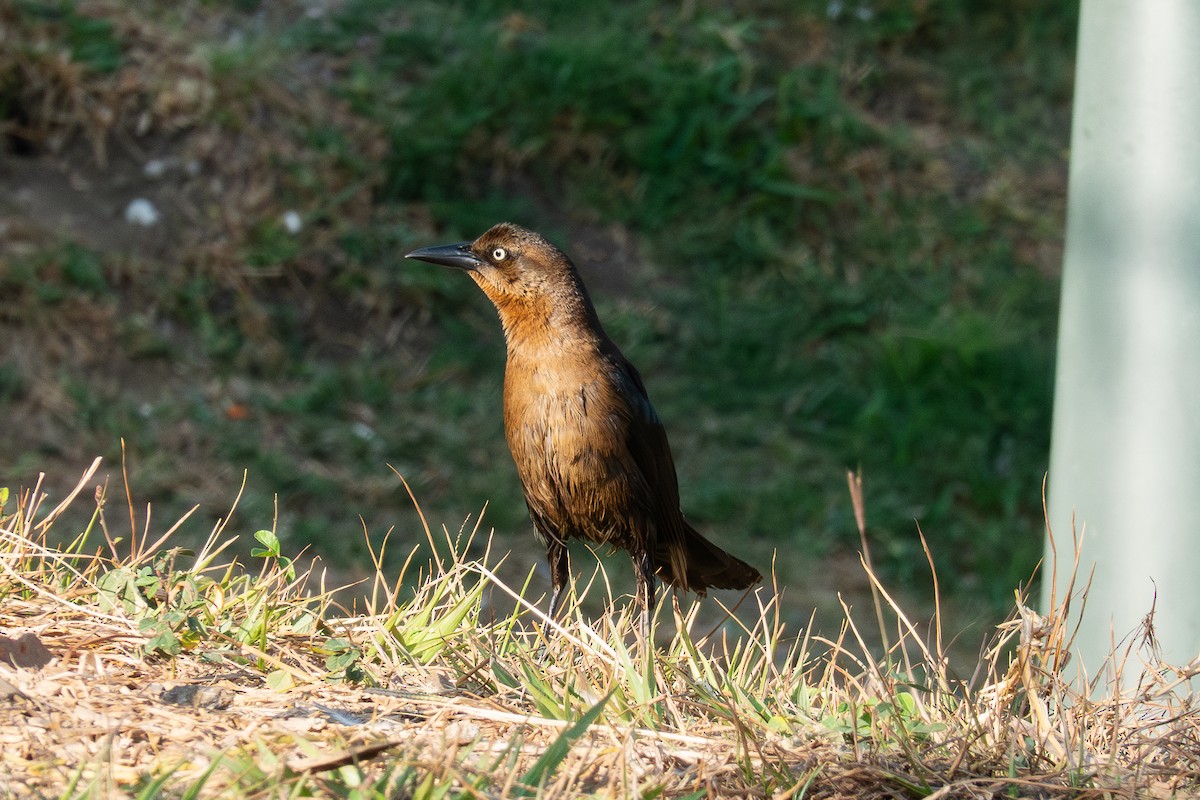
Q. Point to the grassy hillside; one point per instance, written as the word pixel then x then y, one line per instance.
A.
pixel 827 233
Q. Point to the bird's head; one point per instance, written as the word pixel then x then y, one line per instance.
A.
pixel 519 271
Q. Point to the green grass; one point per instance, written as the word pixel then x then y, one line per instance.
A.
pixel 845 244
pixel 840 320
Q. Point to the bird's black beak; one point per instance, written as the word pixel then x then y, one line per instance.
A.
pixel 449 255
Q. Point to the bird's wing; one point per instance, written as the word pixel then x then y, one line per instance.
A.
pixel 647 444
pixel 683 557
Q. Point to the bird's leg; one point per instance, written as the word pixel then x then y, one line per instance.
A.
pixel 645 569
pixel 646 581
pixel 560 571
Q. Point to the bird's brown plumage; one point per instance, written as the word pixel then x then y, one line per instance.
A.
pixel 589 448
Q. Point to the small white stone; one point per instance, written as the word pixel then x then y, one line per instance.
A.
pixel 154 168
pixel 292 221
pixel 141 211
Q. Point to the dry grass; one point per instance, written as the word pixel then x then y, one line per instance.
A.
pixel 133 669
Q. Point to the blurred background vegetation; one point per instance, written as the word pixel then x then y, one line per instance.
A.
pixel 828 233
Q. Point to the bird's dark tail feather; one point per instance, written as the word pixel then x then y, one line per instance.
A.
pixel 697 565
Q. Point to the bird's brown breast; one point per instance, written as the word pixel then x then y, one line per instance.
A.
pixel 567 429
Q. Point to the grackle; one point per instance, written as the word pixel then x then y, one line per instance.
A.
pixel 590 450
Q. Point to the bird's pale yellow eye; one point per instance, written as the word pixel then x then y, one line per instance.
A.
pixel 499 254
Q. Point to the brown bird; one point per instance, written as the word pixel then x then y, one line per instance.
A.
pixel 590 450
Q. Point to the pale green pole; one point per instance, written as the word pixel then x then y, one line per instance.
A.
pixel 1125 452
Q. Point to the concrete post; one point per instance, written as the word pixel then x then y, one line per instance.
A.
pixel 1125 453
